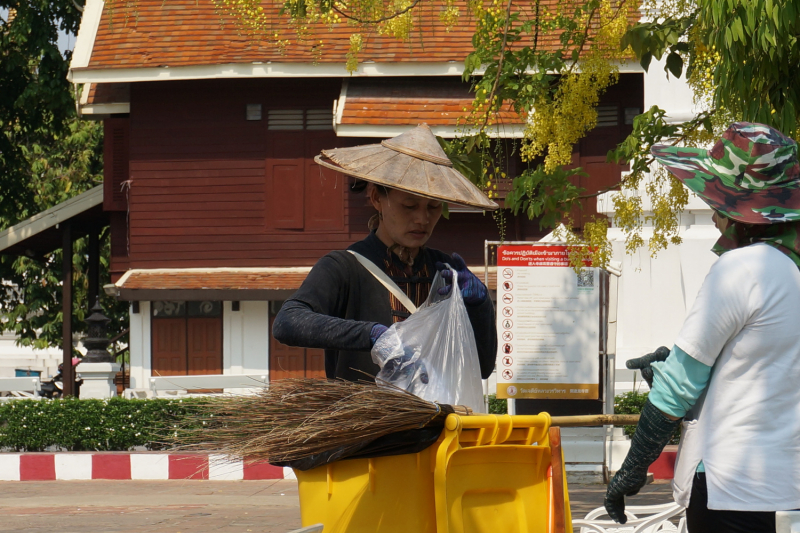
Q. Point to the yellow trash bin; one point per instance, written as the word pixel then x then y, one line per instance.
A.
pixel 485 474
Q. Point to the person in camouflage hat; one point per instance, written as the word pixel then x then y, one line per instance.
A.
pixel 751 174
pixel 731 375
pixel 751 177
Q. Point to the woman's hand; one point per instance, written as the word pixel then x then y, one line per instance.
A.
pixel 376 332
pixel 472 290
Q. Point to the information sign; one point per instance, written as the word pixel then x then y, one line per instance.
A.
pixel 548 325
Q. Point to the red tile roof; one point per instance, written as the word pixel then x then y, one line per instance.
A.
pixel 231 279
pixel 174 33
pixel 437 102
pixel 108 93
pixel 154 33
pixel 214 279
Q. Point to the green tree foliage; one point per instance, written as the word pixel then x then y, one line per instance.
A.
pixel 35 97
pixel 739 58
pixel 47 155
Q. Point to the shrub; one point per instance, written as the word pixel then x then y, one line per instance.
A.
pixel 497 406
pixel 632 403
pixel 71 424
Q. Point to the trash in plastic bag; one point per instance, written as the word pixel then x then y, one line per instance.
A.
pixel 432 354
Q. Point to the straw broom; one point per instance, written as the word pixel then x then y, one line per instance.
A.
pixel 295 419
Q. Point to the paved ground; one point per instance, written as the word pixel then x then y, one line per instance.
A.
pixel 190 506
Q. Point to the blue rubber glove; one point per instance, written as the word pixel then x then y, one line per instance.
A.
pixel 375 333
pixel 472 290
pixel 402 371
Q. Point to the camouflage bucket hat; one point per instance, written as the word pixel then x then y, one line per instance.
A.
pixel 751 174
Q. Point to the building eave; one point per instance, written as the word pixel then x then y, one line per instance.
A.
pixel 87 33
pixel 274 69
pixel 262 70
pixel 447 132
pixel 34 227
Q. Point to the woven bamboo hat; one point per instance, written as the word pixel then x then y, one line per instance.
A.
pixel 412 162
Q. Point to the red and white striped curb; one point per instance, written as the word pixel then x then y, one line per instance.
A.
pixel 151 466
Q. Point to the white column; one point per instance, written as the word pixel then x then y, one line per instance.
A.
pixel 140 360
pixel 255 337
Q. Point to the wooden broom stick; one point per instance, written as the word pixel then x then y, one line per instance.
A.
pixel 594 420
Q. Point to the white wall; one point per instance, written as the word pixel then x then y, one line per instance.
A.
pixel 245 334
pixel 245 341
pixel 26 358
pixel 656 293
pixel 140 346
pixel 670 94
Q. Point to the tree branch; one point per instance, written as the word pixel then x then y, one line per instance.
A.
pixel 585 38
pixel 499 66
pixel 379 20
pixel 697 122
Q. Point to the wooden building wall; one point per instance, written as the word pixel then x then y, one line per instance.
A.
pixel 192 183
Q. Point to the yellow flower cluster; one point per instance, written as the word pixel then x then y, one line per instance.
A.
pixel 613 25
pixel 249 15
pixel 592 245
pixel 356 42
pixel 491 174
pixel 628 216
pixel 557 124
pixel 701 78
pixel 668 197
pixel 400 26
pixel 449 15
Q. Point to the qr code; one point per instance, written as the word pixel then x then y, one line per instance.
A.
pixel 586 278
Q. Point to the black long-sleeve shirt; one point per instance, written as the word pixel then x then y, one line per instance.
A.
pixel 340 301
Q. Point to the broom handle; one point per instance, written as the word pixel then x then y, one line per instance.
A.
pixel 594 420
pixel 573 421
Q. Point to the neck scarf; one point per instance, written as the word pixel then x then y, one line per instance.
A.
pixel 785 237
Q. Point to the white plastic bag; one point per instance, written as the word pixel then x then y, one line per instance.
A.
pixel 433 354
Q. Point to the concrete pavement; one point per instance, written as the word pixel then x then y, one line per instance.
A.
pixel 190 506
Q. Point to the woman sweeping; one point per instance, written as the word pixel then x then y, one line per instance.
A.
pixel 732 375
pixel 343 306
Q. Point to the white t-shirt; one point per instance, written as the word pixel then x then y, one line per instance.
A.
pixel 745 323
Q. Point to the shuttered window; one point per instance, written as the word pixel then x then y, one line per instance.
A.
pixel 299 119
pixel 186 338
pixel 300 194
pixel 607 116
pixel 319 119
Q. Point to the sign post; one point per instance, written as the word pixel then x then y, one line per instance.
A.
pixel 555 329
pixel 548 323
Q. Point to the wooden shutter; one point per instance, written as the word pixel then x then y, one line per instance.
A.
pixel 169 346
pixel 204 350
pixel 324 198
pixel 115 163
pixel 285 181
pixel 285 191
pixel 324 188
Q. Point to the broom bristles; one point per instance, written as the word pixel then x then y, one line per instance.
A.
pixel 297 418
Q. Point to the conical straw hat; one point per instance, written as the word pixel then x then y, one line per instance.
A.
pixel 412 162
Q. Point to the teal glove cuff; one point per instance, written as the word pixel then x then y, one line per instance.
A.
pixel 652 434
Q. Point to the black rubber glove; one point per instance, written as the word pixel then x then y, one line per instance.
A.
pixel 652 434
pixel 643 363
